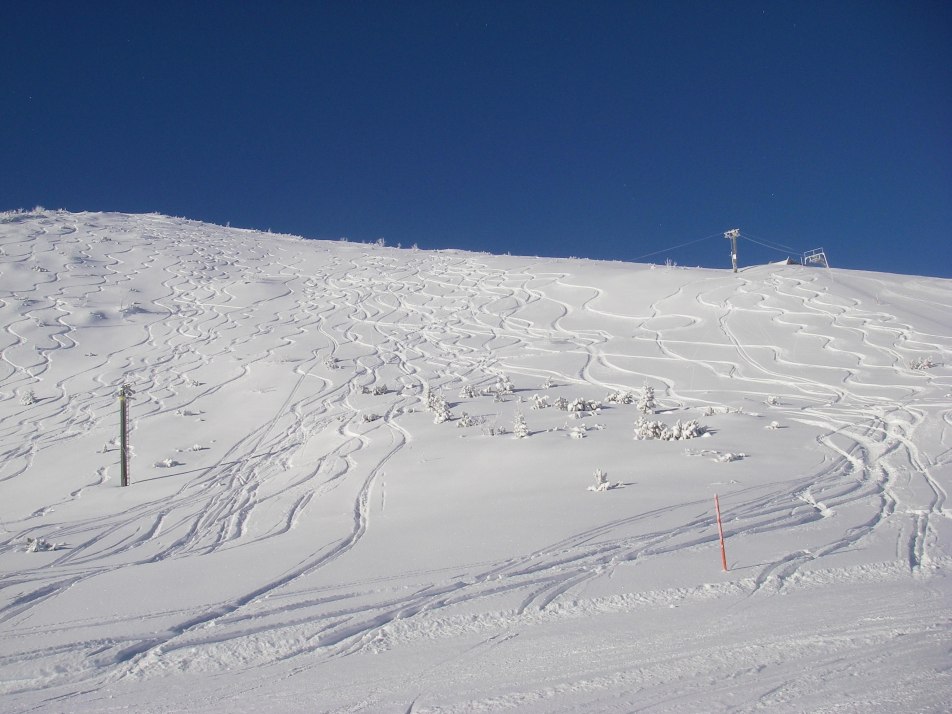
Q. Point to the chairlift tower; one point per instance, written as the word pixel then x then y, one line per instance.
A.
pixel 732 236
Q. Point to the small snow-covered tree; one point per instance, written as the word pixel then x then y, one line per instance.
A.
pixel 468 392
pixel 540 401
pixel 504 385
pixel 562 403
pixel 646 402
pixel 687 430
pixel 519 427
pixel 466 421
pixel 547 384
pixel 27 398
pixel 620 398
pixel 436 404
pixel 601 482
pixel 583 405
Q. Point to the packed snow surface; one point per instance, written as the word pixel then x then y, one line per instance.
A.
pixel 372 479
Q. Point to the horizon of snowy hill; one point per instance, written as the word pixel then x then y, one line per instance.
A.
pixel 371 479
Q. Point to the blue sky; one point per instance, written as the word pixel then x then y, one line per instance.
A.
pixel 592 129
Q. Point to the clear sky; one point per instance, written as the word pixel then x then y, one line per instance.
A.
pixel 591 129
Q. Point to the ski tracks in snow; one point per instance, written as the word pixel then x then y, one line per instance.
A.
pixel 331 351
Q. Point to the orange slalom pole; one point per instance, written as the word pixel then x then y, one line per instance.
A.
pixel 720 532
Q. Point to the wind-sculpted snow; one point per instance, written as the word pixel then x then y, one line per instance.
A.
pixel 305 530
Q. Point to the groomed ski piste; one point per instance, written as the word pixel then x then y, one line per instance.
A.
pixel 363 479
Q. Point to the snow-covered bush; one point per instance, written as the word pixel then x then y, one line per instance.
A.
pixel 547 384
pixel 436 404
pixel 466 421
pixel 583 405
pixel 441 413
pixel 36 545
pixel 646 402
pixel 562 403
pixel 370 417
pixel 647 430
pixel 502 387
pixel 167 464
pixel 193 447
pixel 602 483
pixel 922 363
pixel 578 432
pixel 727 457
pixel 540 401
pixel 27 398
pixel 377 390
pixel 468 392
pixel 690 429
pixel 519 427
pixel 620 398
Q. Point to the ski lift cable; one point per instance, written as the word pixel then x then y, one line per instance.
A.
pixel 779 250
pixel 776 246
pixel 675 247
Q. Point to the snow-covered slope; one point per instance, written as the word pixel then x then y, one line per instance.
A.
pixel 303 532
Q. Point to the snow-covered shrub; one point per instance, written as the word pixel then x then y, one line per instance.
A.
pixel 377 390
pixel 519 427
pixel 647 430
pixel 167 464
pixel 441 413
pixel 468 392
pixel 727 457
pixel 773 400
pixel 562 403
pixel 436 404
pixel 36 545
pixel 27 398
pixel 193 447
pixel 583 405
pixel 370 417
pixel 646 402
pixel 578 432
pixel 601 482
pixel 466 421
pixel 687 430
pixel 504 385
pixel 547 384
pixel 922 363
pixel 773 425
pixel 540 401
pixel 620 398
